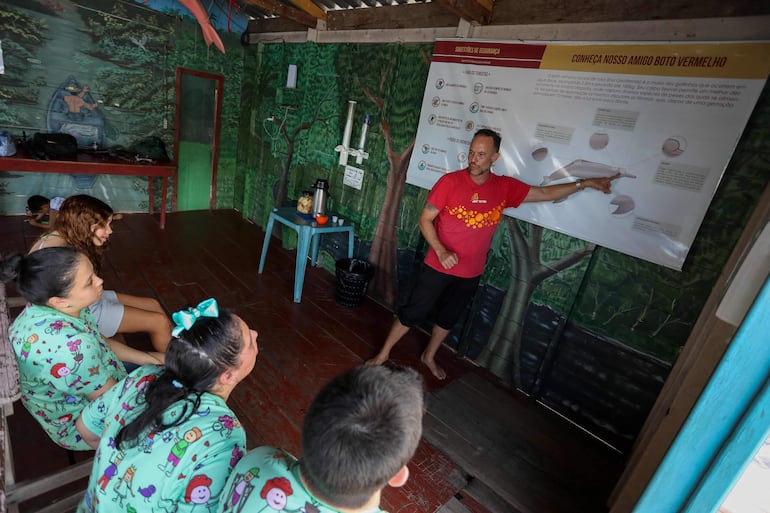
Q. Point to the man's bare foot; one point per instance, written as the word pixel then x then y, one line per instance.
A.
pixel 377 360
pixel 433 367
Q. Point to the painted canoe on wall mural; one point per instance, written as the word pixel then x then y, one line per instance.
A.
pixel 74 110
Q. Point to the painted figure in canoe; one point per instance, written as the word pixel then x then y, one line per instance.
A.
pixel 76 102
pixel 73 110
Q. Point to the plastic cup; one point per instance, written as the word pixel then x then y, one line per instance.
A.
pixel 341 221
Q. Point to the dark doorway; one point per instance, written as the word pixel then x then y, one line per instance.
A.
pixel 198 108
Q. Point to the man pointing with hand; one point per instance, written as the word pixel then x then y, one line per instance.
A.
pixel 458 221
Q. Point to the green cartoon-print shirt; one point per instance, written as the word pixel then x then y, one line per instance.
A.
pixel 61 360
pixel 267 480
pixel 180 469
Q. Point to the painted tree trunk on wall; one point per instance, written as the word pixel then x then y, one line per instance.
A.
pixel 384 250
pixel 383 253
pixel 291 137
pixel 502 354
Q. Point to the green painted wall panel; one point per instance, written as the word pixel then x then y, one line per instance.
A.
pixel 194 184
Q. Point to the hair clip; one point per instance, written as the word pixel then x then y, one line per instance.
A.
pixel 177 384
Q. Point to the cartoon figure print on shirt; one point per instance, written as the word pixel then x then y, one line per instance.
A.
pixel 240 490
pixel 198 491
pixel 180 468
pixel 121 492
pixel 275 492
pixel 225 425
pixel 27 345
pixel 131 488
pixel 269 483
pixel 110 471
pixel 69 375
pixel 178 449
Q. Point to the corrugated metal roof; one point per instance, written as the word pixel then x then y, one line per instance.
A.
pixel 257 12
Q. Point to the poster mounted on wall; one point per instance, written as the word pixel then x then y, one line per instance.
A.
pixel 667 117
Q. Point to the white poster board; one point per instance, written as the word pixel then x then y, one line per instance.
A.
pixel 666 116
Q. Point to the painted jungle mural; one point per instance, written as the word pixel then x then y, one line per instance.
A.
pixel 590 332
pixel 104 72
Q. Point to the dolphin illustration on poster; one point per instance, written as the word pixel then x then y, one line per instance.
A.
pixel 586 169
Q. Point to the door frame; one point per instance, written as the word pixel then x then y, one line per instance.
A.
pixel 218 87
pixel 701 356
pixel 724 430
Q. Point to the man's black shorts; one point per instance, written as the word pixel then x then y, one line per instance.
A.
pixel 433 288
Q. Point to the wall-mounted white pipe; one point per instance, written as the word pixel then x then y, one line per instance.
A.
pixel 347 133
pixel 360 154
pixel 349 123
pixel 364 127
pixel 291 77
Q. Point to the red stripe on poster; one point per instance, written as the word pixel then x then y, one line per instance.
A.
pixel 483 49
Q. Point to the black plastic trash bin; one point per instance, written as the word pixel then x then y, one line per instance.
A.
pixel 353 276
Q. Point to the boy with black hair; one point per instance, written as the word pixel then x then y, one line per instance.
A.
pixel 357 437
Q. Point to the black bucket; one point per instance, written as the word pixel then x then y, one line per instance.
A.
pixel 353 276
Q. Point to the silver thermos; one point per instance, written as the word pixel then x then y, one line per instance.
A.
pixel 319 197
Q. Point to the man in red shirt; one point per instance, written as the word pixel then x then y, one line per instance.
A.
pixel 460 217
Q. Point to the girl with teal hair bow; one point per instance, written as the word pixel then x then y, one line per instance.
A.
pixel 184 319
pixel 167 422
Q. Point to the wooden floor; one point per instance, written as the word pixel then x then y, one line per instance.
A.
pixel 541 464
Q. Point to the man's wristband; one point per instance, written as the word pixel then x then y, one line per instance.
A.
pixel 579 184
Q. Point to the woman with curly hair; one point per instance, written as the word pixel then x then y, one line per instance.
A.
pixel 84 222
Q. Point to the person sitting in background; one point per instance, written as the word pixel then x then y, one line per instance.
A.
pixel 39 207
pixel 84 222
pixel 64 362
pixel 357 437
pixel 166 435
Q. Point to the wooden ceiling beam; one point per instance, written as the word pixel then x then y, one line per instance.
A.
pixel 284 11
pixel 489 5
pixel 406 16
pixel 309 7
pixel 478 12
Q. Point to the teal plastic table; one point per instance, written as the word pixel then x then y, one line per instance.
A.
pixel 309 238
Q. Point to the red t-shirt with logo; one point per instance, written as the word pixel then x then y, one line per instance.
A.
pixel 468 217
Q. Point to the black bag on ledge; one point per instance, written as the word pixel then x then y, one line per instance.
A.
pixel 150 149
pixel 52 146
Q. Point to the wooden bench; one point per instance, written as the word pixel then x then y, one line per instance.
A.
pixel 13 493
